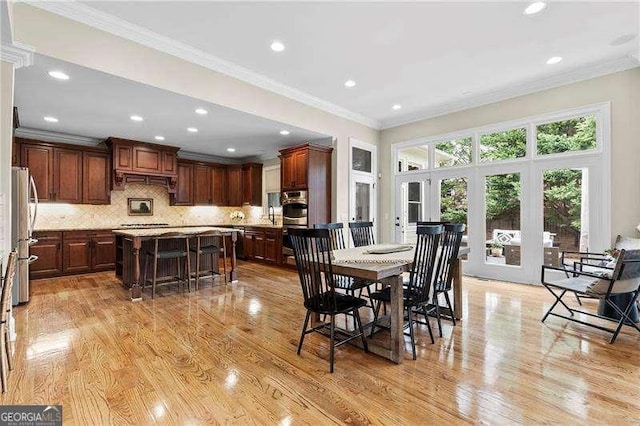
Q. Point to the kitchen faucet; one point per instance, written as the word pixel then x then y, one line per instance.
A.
pixel 272 215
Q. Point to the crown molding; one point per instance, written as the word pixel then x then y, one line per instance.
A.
pixel 48 136
pixel 19 54
pixel 513 91
pixel 197 156
pixel 121 28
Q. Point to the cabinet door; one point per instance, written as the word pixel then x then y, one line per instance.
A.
pixel 103 252
pixel 219 176
pixel 122 157
pixel 258 245
pixel 169 163
pixel 202 184
pixel 49 252
pixel 39 160
pixel 76 255
pixel 300 169
pixel 147 160
pixel 96 171
pixel 248 245
pixel 252 184
pixel 67 181
pixel 286 172
pixel 234 185
pixel 272 247
pixel 184 187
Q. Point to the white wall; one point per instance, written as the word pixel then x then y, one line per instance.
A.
pixel 622 89
pixel 92 48
pixel 6 132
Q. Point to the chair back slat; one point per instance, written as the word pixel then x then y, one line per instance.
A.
pixel 335 234
pixel 362 233
pixel 7 285
pixel 312 252
pixel 628 265
pixel 450 243
pixel 424 261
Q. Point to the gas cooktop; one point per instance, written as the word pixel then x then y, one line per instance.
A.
pixel 144 225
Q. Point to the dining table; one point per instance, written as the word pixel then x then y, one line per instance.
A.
pixel 382 263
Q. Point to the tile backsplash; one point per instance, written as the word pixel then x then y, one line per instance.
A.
pixel 84 216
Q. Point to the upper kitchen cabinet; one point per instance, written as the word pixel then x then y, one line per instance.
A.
pixel 220 194
pixel 184 187
pixel 294 168
pixel 234 185
pixel 202 184
pixel 68 174
pixel 141 162
pixel 252 184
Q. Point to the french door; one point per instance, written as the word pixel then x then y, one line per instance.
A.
pixel 362 182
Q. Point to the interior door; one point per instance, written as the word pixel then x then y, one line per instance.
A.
pixel 362 188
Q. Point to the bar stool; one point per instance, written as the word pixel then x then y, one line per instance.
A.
pixel 204 248
pixel 167 253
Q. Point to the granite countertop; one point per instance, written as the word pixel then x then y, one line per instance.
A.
pixel 189 230
pixel 102 228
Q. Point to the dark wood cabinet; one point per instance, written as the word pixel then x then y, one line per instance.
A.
pixel 67 175
pixel 234 185
pixel 103 251
pixel 76 255
pixel 202 184
pixel 252 184
pixel 309 167
pixel 184 195
pixel 49 252
pixel 294 170
pixel 219 175
pixel 263 244
pixel 39 159
pixel 96 169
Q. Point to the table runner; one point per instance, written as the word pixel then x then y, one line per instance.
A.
pixel 358 255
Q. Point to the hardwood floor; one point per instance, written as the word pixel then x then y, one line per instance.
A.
pixel 228 355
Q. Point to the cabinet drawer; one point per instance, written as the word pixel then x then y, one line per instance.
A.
pixel 47 235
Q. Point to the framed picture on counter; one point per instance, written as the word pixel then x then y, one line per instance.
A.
pixel 140 206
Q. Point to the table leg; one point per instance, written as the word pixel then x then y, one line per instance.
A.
pixel 397 319
pixel 457 289
pixel 233 274
pixel 136 290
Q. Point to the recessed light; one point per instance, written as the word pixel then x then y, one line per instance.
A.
pixel 554 60
pixel 159 138
pixel 349 83
pixel 58 75
pixel 277 46
pixel 202 111
pixel 192 130
pixel 136 118
pixel 231 150
pixel 50 119
pixel 397 106
pixel 284 132
pixel 535 7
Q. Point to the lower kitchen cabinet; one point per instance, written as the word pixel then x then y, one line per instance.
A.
pixel 72 252
pixel 263 244
pixel 49 252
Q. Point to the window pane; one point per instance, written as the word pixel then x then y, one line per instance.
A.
pixel 363 201
pixel 273 199
pixel 503 145
pixel 453 153
pixel 414 191
pixel 453 204
pixel 502 195
pixel 414 158
pixel 414 212
pixel 577 134
pixel 361 160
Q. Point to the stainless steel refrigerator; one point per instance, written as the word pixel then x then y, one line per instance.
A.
pixel 24 209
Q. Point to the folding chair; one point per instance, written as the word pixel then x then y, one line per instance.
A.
pixel 624 279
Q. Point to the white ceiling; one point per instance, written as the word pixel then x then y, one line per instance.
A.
pixel 96 105
pixel 430 57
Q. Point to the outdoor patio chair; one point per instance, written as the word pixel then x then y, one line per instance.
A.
pixel 624 278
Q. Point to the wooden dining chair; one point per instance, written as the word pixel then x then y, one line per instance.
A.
pixel 165 247
pixel 311 249
pixel 207 243
pixel 362 233
pixel 6 357
pixel 416 292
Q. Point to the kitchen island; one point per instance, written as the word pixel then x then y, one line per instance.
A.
pixel 130 241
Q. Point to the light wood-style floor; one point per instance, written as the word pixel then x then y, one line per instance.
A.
pixel 228 355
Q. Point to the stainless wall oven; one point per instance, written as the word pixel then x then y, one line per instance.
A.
pixel 294 208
